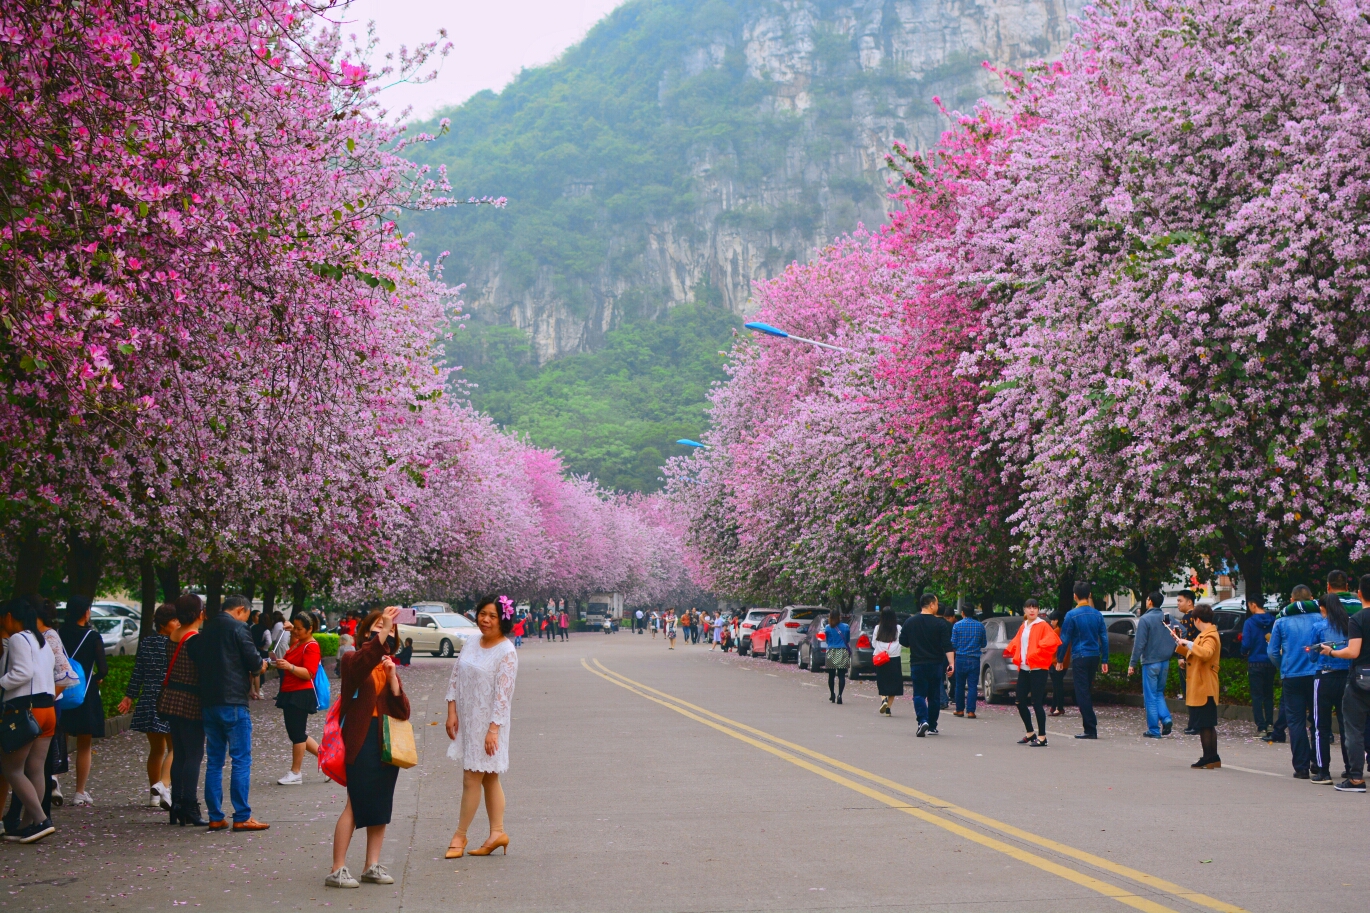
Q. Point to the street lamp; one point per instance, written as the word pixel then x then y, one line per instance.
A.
pixel 689 443
pixel 777 332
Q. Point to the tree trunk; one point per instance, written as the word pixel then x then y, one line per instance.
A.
pixel 169 575
pixel 269 597
pixel 30 558
pixel 85 563
pixel 1152 559
pixel 214 592
pixel 1249 551
pixel 1065 590
pixel 147 580
pixel 299 597
pixel 250 588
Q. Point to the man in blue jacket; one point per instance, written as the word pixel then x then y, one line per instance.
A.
pixel 1151 650
pixel 1293 633
pixel 1260 673
pixel 1085 635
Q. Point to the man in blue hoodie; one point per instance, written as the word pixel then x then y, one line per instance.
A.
pixel 1085 635
pixel 1293 633
pixel 1260 673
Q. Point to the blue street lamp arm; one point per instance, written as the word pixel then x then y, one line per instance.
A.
pixel 689 443
pixel 776 331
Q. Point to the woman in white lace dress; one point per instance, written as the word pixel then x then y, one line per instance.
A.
pixel 479 696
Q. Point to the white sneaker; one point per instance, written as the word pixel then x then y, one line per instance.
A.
pixel 83 799
pixel 163 797
pixel 377 875
pixel 342 878
pixel 154 798
pixel 291 779
pixel 57 797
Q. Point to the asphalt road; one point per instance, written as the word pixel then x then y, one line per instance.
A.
pixel 688 780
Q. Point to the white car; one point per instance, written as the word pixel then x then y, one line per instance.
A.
pixel 747 626
pixel 439 633
pixel 789 631
pixel 119 634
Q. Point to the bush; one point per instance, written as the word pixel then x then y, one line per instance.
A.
pixel 1233 687
pixel 328 644
pixel 116 682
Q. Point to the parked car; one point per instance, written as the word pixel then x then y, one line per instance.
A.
pixel 998 675
pixel 760 639
pixel 439 633
pixel 788 633
pixel 750 621
pixel 1122 632
pixel 1230 617
pixel 119 634
pixel 813 649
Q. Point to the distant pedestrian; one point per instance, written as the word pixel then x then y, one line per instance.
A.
pixel 1260 674
pixel 179 704
pixel 84 646
pixel 670 629
pixel 1085 635
pixel 371 690
pixel 889 673
pixel 518 632
pixel 837 653
pixel 1201 683
pixel 1329 687
pixel 480 696
pixel 720 623
pixel 226 659
pixel 1290 638
pixel 564 622
pixel 928 638
pixel 144 687
pixel 297 698
pixel 405 656
pixel 1057 674
pixel 968 641
pixel 948 616
pixel 641 625
pixel 1033 648
pixel 1356 698
pixel 27 681
pixel 1151 650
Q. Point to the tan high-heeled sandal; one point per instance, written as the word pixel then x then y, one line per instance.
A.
pixel 493 844
pixel 454 851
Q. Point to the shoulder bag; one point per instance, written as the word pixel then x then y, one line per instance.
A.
pixel 397 743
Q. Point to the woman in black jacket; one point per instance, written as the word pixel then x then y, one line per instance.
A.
pixel 85 646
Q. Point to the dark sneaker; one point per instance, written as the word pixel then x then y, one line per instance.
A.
pixel 35 832
pixel 1189 730
pixel 1167 727
pixel 932 730
pixel 1151 735
pixel 1321 779
pixel 1351 786
pixel 922 730
pixel 1027 740
pixel 1301 775
pixel 1038 743
pixel 1086 735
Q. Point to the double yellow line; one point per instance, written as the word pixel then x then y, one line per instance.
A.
pixel 804 758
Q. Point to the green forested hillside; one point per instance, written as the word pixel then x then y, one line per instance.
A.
pixel 614 413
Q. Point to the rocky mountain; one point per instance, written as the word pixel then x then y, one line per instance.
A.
pixel 684 150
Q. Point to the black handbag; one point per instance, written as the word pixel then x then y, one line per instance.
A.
pixel 17 728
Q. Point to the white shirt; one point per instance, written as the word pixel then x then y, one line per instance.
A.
pixel 891 649
pixel 1023 644
pixel 28 667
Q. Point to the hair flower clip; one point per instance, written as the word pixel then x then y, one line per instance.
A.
pixel 506 607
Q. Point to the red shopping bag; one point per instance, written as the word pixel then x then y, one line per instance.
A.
pixel 332 753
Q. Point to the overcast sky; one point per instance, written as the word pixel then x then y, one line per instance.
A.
pixel 493 40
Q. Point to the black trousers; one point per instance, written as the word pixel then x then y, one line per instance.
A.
pixel 1058 689
pixel 1261 678
pixel 1032 686
pixel 1356 703
pixel 1082 672
pixel 1328 689
pixel 187 754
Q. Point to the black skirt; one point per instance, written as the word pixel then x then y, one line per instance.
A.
pixel 889 678
pixel 371 782
pixel 1205 717
pixel 298 700
pixel 89 718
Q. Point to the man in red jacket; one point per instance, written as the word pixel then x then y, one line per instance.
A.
pixel 1033 649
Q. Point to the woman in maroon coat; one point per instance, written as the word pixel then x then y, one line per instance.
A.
pixel 370 688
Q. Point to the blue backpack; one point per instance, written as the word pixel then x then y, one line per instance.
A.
pixel 74 696
pixel 322 692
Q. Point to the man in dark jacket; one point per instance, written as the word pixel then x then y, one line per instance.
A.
pixel 1085 635
pixel 227 659
pixel 928 638
pixel 1260 672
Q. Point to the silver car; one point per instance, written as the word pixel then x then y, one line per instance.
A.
pixel 119 634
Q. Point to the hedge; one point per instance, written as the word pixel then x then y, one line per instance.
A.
pixel 328 644
pixel 1232 682
pixel 116 682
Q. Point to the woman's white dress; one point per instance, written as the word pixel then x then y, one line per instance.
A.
pixel 482 685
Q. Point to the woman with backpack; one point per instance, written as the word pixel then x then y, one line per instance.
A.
pixel 144 687
pixel 30 717
pixel 85 647
pixel 298 697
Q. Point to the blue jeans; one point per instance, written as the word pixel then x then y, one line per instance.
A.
pixel 228 727
pixel 965 685
pixel 927 690
pixel 1153 695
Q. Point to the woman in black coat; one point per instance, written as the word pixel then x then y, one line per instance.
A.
pixel 84 646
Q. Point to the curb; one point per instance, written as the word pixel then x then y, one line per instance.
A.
pixel 117 724
pixel 1177 705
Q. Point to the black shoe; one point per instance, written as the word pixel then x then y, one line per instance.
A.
pixel 839 699
pixel 832 698
pixel 1301 775
pixel 1038 743
pixel 1200 764
pixel 1087 735
pixel 1027 740
pixel 932 730
pixel 35 832
pixel 1190 730
pixel 175 816
pixel 1350 786
pixel 190 815
pixel 1321 779
pixel 922 730
pixel 1167 727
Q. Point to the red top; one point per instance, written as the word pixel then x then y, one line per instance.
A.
pixel 307 655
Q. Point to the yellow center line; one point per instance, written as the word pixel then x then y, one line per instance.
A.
pixel 1099 862
pixel 1046 865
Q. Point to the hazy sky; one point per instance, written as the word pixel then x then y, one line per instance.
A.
pixel 493 40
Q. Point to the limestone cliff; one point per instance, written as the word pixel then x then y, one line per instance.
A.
pixel 817 92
